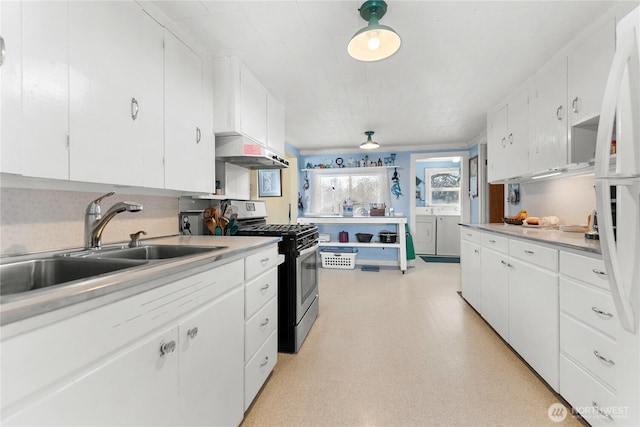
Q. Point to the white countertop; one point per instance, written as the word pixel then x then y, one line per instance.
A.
pixel 104 289
pixel 543 235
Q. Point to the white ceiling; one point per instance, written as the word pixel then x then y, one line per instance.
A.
pixel 457 60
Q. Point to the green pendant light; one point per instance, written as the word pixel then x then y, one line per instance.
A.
pixel 375 41
pixel 369 144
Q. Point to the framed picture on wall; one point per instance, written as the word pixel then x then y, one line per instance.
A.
pixel 473 177
pixel 269 183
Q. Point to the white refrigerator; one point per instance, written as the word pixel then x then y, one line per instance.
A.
pixel 621 251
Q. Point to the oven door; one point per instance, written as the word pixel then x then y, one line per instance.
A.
pixel 306 280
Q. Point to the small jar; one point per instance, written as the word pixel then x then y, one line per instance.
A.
pixel 613 148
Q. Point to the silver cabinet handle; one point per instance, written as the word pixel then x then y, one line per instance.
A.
pixel 266 360
pixel 265 323
pixel 492 241
pixel 599 272
pixel 529 252
pixel 198 135
pixel 476 251
pixel 193 332
pixel 559 113
pixel 574 105
pixel 600 411
pixel 265 287
pixel 134 108
pixel 600 312
pixel 469 234
pixel 263 261
pixel 504 142
pixel 604 359
pixel 511 139
pixel 167 347
pixel 3 50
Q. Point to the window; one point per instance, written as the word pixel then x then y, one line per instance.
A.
pixel 443 186
pixel 330 189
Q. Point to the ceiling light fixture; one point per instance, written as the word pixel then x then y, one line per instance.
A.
pixel 369 144
pixel 373 42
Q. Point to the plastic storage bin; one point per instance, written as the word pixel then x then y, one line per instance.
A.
pixel 339 258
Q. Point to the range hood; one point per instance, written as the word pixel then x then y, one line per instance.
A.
pixel 245 152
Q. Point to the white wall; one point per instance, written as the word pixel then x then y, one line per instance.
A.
pixel 571 199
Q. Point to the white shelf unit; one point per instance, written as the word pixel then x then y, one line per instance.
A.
pixel 398 221
pixel 348 169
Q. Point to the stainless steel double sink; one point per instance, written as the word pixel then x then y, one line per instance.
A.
pixel 33 274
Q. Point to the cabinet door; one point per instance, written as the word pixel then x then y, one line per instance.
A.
pixel 470 268
pixel 105 63
pixel 276 127
pixel 448 236
pixel 189 158
pixel 45 80
pixel 237 181
pixel 495 291
pixel 11 88
pixel 212 363
pixel 533 318
pixel 588 71
pixel 549 143
pixel 517 152
pixel 253 106
pixel 425 235
pixel 148 379
pixel 496 144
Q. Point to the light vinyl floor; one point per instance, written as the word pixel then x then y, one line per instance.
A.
pixel 401 350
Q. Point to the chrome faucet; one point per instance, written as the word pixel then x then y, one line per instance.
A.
pixel 95 223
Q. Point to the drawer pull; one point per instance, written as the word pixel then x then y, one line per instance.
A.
pixel 469 234
pixel 265 323
pixel 492 241
pixel 503 262
pixel 476 251
pixel 265 287
pixel 529 252
pixel 600 411
pixel 602 313
pixel 604 359
pixel 266 360
pixel 264 261
pixel 599 272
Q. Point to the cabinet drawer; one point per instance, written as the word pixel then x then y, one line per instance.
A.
pixel 589 305
pixel 535 254
pixel 259 367
pixel 493 241
pixel 470 234
pixel 584 268
pixel 589 348
pixel 586 394
pixel 260 262
pixel 259 327
pixel 260 290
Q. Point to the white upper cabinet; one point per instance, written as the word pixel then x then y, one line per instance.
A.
pixel 10 89
pixel 588 70
pixel 508 138
pixel 241 105
pixel 276 131
pixel 45 83
pixel 548 148
pixel 189 153
pixel 112 99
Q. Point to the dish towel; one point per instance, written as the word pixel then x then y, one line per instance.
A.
pixel 411 253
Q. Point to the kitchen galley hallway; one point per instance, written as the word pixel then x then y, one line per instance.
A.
pixel 401 350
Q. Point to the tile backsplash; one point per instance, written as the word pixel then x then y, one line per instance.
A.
pixel 44 220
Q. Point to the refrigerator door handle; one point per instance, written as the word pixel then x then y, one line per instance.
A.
pixel 625 53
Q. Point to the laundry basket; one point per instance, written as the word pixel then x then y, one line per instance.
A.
pixel 339 258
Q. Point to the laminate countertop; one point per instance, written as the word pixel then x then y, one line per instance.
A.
pixel 543 235
pixel 86 294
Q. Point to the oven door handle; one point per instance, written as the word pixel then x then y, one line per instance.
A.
pixel 309 250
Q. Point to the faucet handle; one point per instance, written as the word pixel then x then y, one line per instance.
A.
pixel 135 238
pixel 94 207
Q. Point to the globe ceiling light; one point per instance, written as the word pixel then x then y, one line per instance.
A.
pixel 369 144
pixel 375 41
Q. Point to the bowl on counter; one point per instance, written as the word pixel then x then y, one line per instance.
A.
pixel 364 237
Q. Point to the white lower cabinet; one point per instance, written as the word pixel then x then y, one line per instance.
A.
pixel 495 290
pixel 470 266
pixel 173 355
